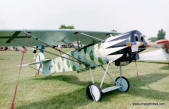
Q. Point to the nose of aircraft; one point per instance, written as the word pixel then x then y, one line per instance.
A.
pixel 137 38
pixel 142 45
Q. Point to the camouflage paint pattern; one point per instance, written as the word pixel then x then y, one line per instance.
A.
pixel 93 56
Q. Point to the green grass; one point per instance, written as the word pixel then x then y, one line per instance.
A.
pixel 67 90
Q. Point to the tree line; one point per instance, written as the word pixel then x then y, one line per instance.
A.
pixel 160 35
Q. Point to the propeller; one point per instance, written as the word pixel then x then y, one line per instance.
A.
pixel 163 43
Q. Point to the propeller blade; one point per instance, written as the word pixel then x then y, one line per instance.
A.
pixel 163 43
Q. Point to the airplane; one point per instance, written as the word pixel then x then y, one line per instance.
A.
pixel 100 48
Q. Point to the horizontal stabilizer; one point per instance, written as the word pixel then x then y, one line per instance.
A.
pixel 34 63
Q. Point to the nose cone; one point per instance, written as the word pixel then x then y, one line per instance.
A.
pixel 137 37
pixel 142 46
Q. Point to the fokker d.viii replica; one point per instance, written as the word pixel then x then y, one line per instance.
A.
pixel 100 48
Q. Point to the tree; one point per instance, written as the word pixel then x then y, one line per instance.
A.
pixel 66 27
pixel 161 34
pixel 153 39
pixel 114 30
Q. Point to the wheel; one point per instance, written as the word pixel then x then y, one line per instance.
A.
pixel 93 92
pixel 122 82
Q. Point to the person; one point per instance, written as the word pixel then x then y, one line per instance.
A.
pixel 13 48
pixel 0 48
pixel 40 57
pixel 6 48
pixel 35 51
pixel 59 48
pixel 16 49
pixel 42 49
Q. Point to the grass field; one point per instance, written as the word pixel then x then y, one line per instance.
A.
pixel 67 90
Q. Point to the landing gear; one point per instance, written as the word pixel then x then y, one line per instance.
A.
pixel 93 92
pixel 123 82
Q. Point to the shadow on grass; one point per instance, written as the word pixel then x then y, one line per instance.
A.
pixel 165 67
pixel 77 98
pixel 2 59
pixel 136 89
pixel 66 78
pixel 65 101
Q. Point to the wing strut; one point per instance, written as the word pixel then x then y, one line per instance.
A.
pixel 55 48
pixel 66 57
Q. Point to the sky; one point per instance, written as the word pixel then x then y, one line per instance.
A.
pixel 147 16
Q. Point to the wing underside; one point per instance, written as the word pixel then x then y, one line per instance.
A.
pixel 53 37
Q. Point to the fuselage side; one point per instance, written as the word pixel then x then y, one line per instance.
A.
pixel 113 49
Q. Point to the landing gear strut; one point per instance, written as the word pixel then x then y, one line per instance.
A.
pixel 95 92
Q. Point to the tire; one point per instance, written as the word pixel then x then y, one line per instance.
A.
pixel 125 84
pixel 93 92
